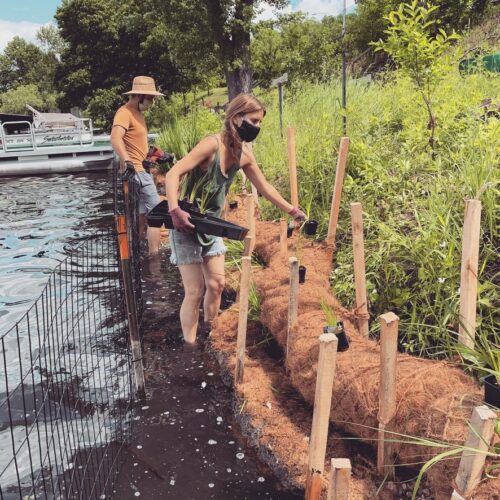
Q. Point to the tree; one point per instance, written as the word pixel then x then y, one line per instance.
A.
pixel 50 40
pixel 208 30
pixel 15 100
pixel 25 64
pixel 108 42
pixel 19 64
pixel 102 107
pixel 303 47
pixel 369 22
pixel 410 43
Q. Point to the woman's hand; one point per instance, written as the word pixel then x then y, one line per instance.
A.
pixel 180 220
pixel 297 214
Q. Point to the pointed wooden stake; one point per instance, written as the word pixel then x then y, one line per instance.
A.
pixel 387 390
pixel 337 190
pixel 292 168
pixel 482 426
pixel 468 274
pixel 359 267
pixel 321 417
pixel 340 477
pixel 242 319
pixel 283 238
pixel 293 304
pixel 251 220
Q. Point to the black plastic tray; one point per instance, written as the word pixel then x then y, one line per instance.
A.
pixel 203 223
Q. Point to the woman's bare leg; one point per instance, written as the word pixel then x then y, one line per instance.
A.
pixel 192 279
pixel 213 271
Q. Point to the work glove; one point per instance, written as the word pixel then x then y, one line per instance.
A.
pixel 129 171
pixel 180 220
pixel 297 214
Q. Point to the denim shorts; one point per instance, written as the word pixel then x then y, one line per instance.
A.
pixel 187 250
pixel 148 195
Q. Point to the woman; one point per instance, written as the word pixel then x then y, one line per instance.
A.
pixel 210 168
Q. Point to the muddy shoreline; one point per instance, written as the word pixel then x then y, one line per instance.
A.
pixel 185 442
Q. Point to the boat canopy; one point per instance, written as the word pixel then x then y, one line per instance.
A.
pixel 55 120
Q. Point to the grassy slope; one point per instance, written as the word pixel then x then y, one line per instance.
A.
pixel 413 204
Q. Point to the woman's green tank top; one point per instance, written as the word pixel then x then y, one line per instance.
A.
pixel 208 190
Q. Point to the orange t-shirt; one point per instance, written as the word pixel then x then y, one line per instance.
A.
pixel 136 134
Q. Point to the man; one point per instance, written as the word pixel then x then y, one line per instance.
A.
pixel 129 138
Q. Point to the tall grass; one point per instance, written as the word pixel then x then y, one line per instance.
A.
pixel 182 133
pixel 413 204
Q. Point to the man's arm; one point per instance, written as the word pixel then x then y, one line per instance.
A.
pixel 117 133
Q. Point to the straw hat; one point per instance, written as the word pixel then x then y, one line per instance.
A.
pixel 143 85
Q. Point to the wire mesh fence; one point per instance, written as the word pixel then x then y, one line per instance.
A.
pixel 67 373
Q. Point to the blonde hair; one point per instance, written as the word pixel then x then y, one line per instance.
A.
pixel 240 105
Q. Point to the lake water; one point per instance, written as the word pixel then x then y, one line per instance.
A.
pixel 39 218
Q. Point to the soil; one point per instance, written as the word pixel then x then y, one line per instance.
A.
pixel 185 442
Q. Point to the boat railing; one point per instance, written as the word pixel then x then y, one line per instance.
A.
pixel 32 139
pixel 7 139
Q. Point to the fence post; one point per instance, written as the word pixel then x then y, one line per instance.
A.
pixel 283 238
pixel 242 319
pixel 337 190
pixel 293 303
pixel 477 442
pixel 359 267
pixel 468 273
pixel 387 388
pixel 251 220
pixel 135 343
pixel 321 414
pixel 340 477
pixel 292 168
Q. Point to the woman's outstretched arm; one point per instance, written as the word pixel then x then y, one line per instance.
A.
pixel 267 190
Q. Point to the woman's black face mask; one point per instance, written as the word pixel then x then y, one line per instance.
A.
pixel 247 131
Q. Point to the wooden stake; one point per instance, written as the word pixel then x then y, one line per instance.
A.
pixel 293 303
pixel 387 389
pixel 478 440
pixel 337 190
pixel 251 219
pixel 292 168
pixel 468 274
pixel 283 238
pixel 359 267
pixel 340 476
pixel 225 210
pixel 242 319
pixel 248 245
pixel 255 194
pixel 321 415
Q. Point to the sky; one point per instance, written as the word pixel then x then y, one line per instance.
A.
pixel 25 17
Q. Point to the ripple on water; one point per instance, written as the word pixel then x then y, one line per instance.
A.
pixel 40 217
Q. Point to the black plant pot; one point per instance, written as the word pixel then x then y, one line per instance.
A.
pixel 310 227
pixel 302 274
pixel 289 230
pixel 233 204
pixel 339 331
pixel 203 223
pixel 491 391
